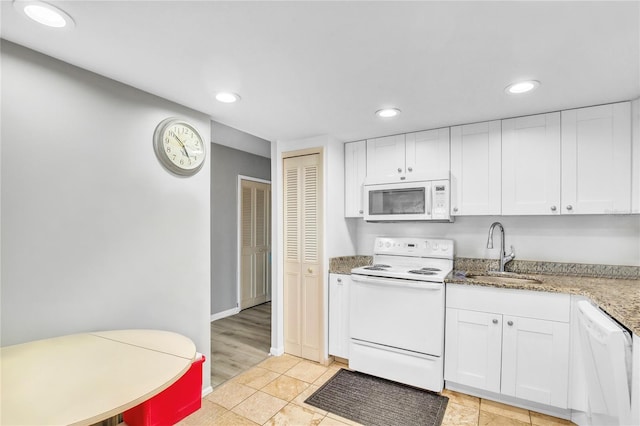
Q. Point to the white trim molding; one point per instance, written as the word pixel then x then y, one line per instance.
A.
pixel 224 314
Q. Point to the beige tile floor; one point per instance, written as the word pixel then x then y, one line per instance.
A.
pixel 273 393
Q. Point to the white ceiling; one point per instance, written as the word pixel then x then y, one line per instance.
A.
pixel 323 68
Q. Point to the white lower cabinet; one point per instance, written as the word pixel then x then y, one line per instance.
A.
pixel 509 342
pixel 473 352
pixel 339 287
pixel 535 360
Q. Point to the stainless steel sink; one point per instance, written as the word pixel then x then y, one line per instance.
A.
pixel 503 278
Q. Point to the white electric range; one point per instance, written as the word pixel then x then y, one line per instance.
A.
pixel 397 311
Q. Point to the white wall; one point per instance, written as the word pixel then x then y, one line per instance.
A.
pixel 339 235
pixel 96 235
pixel 611 240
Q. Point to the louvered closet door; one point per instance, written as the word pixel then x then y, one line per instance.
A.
pixel 302 269
pixel 255 270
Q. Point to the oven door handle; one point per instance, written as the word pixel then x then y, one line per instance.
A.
pixel 391 282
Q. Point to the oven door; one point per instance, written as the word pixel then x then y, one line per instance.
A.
pixel 398 313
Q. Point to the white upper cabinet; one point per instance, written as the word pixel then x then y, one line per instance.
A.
pixel 385 158
pixel 531 165
pixel 427 153
pixel 355 171
pixel 476 169
pixel 596 159
pixel 414 156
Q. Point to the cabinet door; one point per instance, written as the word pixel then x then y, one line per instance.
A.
pixel 476 169
pixel 531 165
pixel 355 171
pixel 596 159
pixel 473 349
pixel 385 158
pixel 427 154
pixel 339 286
pixel 535 360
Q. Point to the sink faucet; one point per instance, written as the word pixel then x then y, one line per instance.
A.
pixel 504 257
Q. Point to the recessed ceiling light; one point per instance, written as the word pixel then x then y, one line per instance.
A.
pixel 522 87
pixel 227 97
pixel 387 112
pixel 44 13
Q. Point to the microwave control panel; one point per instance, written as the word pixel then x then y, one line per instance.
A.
pixel 440 193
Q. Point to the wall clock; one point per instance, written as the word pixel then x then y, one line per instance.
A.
pixel 179 147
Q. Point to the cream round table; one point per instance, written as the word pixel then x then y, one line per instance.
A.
pixel 82 379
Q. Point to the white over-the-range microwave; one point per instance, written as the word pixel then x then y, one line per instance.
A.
pixel 399 201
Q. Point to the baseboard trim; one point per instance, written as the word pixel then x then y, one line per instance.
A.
pixel 276 351
pixel 206 391
pixel 224 314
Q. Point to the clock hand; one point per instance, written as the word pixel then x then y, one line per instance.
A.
pixel 184 148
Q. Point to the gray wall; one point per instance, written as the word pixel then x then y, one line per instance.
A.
pixel 96 235
pixel 237 139
pixel 226 164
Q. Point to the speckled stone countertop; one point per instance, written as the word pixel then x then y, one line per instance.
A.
pixel 615 289
pixel 619 297
pixel 344 264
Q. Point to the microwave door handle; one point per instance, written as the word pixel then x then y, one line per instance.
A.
pixel 429 200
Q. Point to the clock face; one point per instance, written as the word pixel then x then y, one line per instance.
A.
pixel 179 147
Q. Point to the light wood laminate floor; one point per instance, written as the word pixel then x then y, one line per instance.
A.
pixel 239 342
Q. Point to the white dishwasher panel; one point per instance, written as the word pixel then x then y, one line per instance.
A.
pixel 606 352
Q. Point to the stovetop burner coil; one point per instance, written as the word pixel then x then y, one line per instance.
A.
pixel 422 272
pixel 377 267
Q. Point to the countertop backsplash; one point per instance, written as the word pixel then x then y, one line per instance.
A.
pixel 533 267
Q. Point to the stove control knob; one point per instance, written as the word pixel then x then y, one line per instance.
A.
pixel 435 246
pixel 388 244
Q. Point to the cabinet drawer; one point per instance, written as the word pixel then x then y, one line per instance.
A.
pixel 506 301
